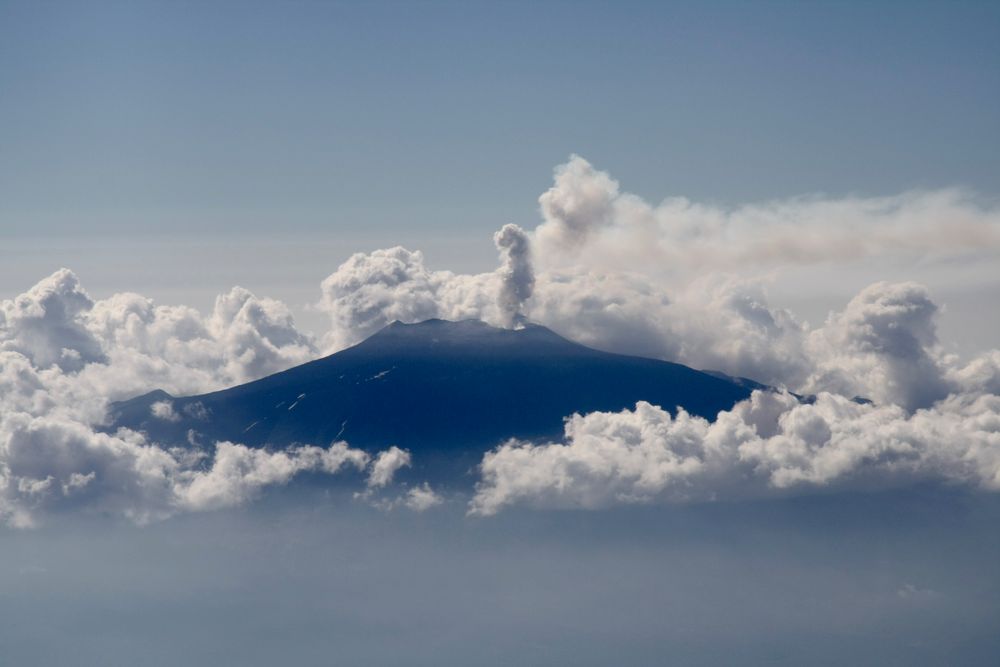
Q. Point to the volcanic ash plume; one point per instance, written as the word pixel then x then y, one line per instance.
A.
pixel 517 278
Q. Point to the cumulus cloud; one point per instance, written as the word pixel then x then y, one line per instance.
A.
pixel 931 416
pixel 238 472
pixel 579 204
pixel 587 219
pixel 884 345
pixel 386 464
pixel 982 374
pixel 64 356
pixel 416 499
pixel 257 336
pixel 677 280
pixel 45 324
pixel 689 283
pixel 422 498
pixel 177 349
pixel 164 410
pixel 53 459
pixel 683 281
pixel 769 444
pixel 371 290
pixel 717 322
pixel 53 462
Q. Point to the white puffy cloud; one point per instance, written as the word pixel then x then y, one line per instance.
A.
pixel 371 290
pixel 385 466
pixel 686 282
pixel 45 324
pixel 52 458
pixel 678 281
pixel 257 336
pixel 884 346
pixel 178 350
pixel 238 472
pixel 422 498
pixel 589 221
pixel 689 283
pixel 579 204
pixel 720 323
pixel 49 464
pixel 982 374
pixel 63 357
pixel 52 462
pixel 769 444
pixel 418 498
pixel 56 461
pixel 164 410
pixel 717 323
pixel 381 473
pixel 608 458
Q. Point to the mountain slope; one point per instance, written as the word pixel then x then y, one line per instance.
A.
pixel 441 389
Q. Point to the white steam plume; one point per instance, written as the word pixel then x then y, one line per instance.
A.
pixel 517 277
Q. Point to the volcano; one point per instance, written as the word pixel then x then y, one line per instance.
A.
pixel 447 391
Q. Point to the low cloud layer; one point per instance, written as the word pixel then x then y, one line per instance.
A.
pixel 64 356
pixel 53 462
pixel 687 283
pixel 771 444
pixel 676 281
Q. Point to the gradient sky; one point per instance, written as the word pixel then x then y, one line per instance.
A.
pixel 375 119
pixel 284 136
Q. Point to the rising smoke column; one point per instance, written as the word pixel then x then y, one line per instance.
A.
pixel 517 277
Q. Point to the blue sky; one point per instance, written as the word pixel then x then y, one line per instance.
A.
pixel 399 120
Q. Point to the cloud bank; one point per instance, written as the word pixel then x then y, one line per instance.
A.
pixel 64 357
pixel 770 444
pixel 677 281
pixel 683 282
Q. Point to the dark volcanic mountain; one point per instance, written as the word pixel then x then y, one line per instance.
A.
pixel 444 390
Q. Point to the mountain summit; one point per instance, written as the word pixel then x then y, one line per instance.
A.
pixel 444 390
